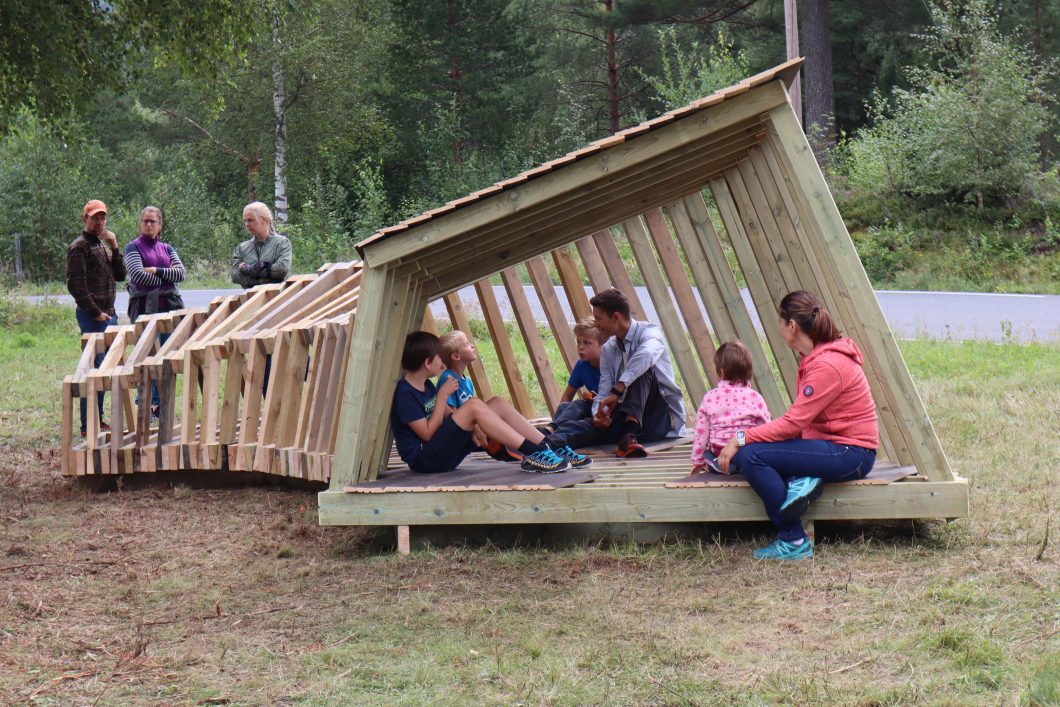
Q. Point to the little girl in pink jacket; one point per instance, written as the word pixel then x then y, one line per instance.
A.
pixel 731 406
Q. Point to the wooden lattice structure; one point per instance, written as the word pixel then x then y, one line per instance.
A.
pixel 731 174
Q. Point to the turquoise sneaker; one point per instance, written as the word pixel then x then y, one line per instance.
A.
pixel 783 550
pixel 802 491
pixel 576 461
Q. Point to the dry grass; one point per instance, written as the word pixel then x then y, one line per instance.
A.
pixel 172 595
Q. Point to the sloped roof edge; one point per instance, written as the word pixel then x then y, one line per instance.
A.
pixel 785 72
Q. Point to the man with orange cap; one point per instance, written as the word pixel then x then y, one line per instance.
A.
pixel 94 266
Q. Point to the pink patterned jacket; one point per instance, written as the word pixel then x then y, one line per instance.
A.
pixel 724 410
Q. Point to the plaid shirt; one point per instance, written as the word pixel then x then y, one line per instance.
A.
pixel 92 271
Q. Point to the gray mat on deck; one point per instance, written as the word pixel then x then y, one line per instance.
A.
pixel 475 474
pixel 882 473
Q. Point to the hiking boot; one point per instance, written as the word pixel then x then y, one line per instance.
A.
pixel 628 446
pixel 501 453
pixel 783 550
pixel 544 462
pixel 802 491
pixel 576 461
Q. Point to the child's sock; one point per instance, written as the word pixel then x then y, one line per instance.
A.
pixel 528 447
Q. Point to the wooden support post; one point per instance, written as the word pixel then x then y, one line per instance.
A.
pixel 669 320
pixel 616 269
pixel 721 295
pixel 532 338
pixel 682 291
pixel 546 294
pixel 502 343
pixel 593 262
pixel 458 318
pixel 429 324
pixel 572 283
pixel 403 540
pixel 835 246
pixel 756 281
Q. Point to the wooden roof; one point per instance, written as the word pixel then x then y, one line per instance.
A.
pixel 785 72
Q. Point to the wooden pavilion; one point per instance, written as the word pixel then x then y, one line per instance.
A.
pixel 730 175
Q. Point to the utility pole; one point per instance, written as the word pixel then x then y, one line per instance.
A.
pixel 791 37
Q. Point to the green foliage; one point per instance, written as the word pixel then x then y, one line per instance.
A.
pixel 54 55
pixel 47 180
pixel 967 130
pixel 691 71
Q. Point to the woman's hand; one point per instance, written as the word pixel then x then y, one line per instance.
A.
pixel 726 455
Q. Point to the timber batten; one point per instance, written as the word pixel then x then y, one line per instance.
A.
pixel 334 338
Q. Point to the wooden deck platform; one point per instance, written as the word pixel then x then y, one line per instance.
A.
pixel 613 490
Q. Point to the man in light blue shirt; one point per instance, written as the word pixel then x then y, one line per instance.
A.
pixel 639 401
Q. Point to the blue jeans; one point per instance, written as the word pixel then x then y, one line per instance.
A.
pixel 89 325
pixel 766 465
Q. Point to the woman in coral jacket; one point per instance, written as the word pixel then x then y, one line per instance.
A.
pixel 828 434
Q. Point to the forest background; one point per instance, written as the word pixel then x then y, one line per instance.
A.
pixel 936 122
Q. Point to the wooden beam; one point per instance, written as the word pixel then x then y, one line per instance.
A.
pixel 717 285
pixel 669 320
pixel 601 167
pixel 502 343
pixel 546 295
pixel 682 291
pixel 584 504
pixel 593 263
pixel 571 280
pixel 882 351
pixel 619 272
pixel 532 338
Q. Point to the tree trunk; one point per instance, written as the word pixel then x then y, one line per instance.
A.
pixel 279 110
pixel 612 75
pixel 819 114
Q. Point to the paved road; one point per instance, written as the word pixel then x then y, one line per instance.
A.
pixel 937 315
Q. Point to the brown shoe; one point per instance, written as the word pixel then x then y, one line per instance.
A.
pixel 628 447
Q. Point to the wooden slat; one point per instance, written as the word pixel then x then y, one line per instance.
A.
pixel 532 338
pixel 669 320
pixel 546 295
pixel 717 285
pixel 571 280
pixel 881 350
pixel 502 343
pixel 593 263
pixel 682 291
pixel 618 273
pixel 756 282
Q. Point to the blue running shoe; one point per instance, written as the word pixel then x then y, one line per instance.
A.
pixel 783 550
pixel 544 462
pixel 802 491
pixel 576 461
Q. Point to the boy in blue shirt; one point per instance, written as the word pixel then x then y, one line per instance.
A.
pixel 584 382
pixel 457 353
pixel 433 438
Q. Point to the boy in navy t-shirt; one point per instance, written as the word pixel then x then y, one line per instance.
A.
pixel 432 438
pixel 583 383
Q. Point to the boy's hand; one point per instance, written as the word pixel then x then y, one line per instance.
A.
pixel 588 396
pixel 448 388
pixel 479 437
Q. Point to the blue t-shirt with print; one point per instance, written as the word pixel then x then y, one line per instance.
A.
pixel 586 375
pixel 465 389
pixel 410 405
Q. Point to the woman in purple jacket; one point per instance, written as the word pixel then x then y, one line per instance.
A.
pixel 153 271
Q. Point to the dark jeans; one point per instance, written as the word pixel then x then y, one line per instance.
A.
pixel 89 325
pixel 644 402
pixel 766 465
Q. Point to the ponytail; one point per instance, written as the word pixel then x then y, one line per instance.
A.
pixel 806 311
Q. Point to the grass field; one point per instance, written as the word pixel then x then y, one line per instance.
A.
pixel 163 594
